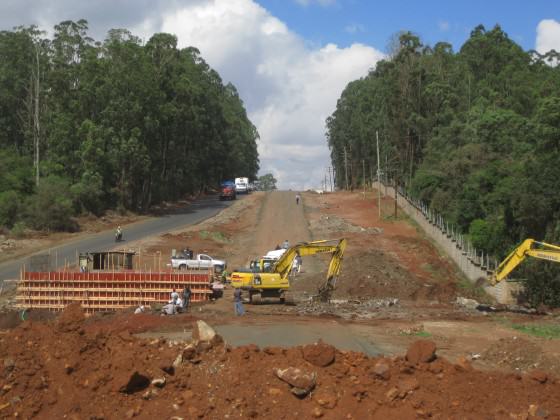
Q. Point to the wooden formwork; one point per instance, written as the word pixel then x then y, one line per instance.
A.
pixel 107 291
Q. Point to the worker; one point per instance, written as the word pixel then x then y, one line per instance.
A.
pixel 294 269
pixel 186 298
pixel 299 261
pixel 286 244
pixel 139 310
pixel 174 297
pixel 238 302
pixel 297 199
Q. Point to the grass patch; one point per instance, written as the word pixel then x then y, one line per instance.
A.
pixel 424 334
pixel 215 236
pixel 543 331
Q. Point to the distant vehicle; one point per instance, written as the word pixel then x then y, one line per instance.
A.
pixel 242 185
pixel 201 261
pixel 228 191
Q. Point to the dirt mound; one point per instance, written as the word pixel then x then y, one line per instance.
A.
pixel 85 373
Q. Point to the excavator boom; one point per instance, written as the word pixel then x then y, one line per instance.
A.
pixel 528 248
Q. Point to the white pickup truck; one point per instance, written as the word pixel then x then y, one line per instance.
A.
pixel 201 261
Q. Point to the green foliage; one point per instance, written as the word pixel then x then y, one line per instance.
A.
pixel 267 182
pixel 18 230
pixel 543 331
pixel 51 208
pixel 474 134
pixel 9 208
pixel 126 124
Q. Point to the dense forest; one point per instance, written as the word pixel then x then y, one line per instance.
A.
pixel 475 134
pixel 87 126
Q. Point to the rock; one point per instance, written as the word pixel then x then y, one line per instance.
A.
pixel 203 332
pixel 303 381
pixel 317 412
pixel 382 370
pixel 467 303
pixel 178 361
pixel 159 382
pixel 203 346
pixel 189 353
pixel 326 399
pixel 170 370
pixel 539 376
pixel 421 351
pixel 9 365
pixel 274 392
pixel 463 364
pixel 408 385
pixel 149 394
pixel 392 394
pixel 136 382
pixel 130 413
pixel 319 354
pixel 536 411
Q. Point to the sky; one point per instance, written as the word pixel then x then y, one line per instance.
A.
pixel 291 59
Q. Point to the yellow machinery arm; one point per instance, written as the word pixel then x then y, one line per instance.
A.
pixel 528 248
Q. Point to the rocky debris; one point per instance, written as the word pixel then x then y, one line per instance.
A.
pixel 332 223
pixel 319 354
pixel 345 308
pixel 71 318
pixel 421 351
pixel 113 375
pixel 467 303
pixel 136 382
pixel 538 375
pixel 326 399
pixel 302 382
pixel 382 370
pixel 159 382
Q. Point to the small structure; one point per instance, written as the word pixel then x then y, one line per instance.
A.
pixel 106 260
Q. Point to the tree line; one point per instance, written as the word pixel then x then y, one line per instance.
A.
pixel 87 126
pixel 475 134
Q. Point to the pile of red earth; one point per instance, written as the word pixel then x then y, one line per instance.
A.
pixel 59 369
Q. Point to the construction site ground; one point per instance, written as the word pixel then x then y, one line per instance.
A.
pixel 396 292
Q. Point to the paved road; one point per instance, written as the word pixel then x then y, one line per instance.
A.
pixel 194 213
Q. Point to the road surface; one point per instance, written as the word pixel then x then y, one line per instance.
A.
pixel 194 213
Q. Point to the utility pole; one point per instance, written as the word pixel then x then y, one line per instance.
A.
pixel 325 182
pixel 346 166
pixel 36 122
pixel 330 179
pixel 378 176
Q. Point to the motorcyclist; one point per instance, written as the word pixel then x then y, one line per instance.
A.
pixel 118 234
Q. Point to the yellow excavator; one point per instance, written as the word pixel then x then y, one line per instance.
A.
pixel 528 248
pixel 265 278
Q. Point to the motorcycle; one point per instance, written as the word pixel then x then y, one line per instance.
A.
pixel 118 236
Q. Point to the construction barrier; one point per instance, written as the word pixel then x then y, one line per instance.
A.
pixel 107 291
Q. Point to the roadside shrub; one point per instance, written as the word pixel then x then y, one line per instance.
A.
pixel 18 231
pixel 9 206
pixel 51 208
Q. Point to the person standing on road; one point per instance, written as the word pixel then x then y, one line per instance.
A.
pixel 186 297
pixel 298 197
pixel 238 302
pixel 286 244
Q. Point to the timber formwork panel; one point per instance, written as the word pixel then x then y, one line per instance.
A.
pixel 106 291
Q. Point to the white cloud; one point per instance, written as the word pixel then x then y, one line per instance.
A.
pixel 319 2
pixel 443 25
pixel 355 28
pixel 288 87
pixel 548 36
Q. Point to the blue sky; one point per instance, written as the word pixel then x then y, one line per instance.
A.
pixel 374 22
